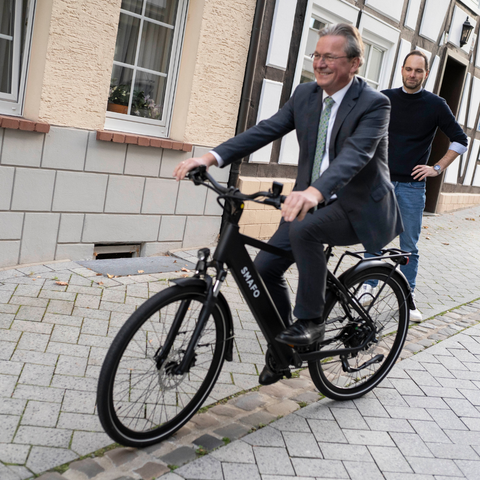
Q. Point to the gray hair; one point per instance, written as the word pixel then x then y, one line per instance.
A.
pixel 354 47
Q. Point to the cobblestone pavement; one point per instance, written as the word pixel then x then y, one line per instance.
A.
pixel 57 321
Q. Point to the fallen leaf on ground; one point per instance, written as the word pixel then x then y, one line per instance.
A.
pixel 470 218
pixel 61 283
pixel 98 274
pixel 427 238
pixel 100 283
pixel 445 243
pixel 141 271
pixel 109 276
pixel 184 276
pixel 425 226
pixel 185 269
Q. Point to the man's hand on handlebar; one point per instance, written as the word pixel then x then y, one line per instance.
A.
pixel 297 204
pixel 184 167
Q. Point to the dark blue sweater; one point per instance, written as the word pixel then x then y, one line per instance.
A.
pixel 413 122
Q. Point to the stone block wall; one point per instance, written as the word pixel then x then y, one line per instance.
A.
pixel 64 191
pixel 449 202
pixel 261 221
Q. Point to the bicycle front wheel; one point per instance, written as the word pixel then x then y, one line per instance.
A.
pixel 344 377
pixel 141 400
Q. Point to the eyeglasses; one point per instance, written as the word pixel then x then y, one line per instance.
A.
pixel 327 58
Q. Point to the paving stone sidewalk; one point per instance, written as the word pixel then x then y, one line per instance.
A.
pixel 54 337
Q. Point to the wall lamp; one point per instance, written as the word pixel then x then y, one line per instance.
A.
pixel 467 28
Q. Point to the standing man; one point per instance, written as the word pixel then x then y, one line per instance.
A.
pixel 415 116
pixel 341 125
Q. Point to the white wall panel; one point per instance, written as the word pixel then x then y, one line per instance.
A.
pixel 472 162
pixel 405 47
pixel 476 178
pixel 477 60
pixel 451 174
pixel 268 106
pixel 463 104
pixel 281 33
pixel 433 17
pixel 289 150
pixel 392 9
pixel 474 102
pixel 433 74
pixel 412 13
pixel 459 16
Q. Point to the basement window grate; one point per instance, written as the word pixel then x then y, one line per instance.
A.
pixel 103 252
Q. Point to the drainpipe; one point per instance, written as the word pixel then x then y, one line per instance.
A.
pixel 246 97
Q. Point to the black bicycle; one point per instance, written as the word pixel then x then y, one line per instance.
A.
pixel 166 358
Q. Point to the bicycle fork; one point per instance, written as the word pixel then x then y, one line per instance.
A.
pixel 213 290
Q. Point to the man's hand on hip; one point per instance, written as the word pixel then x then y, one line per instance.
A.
pixel 420 172
pixel 298 204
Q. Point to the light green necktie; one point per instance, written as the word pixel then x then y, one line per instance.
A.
pixel 322 137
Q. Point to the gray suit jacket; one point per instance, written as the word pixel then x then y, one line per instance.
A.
pixel 358 172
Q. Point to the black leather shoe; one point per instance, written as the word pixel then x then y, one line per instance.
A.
pixel 302 333
pixel 268 376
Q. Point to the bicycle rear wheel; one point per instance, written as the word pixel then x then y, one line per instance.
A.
pixel 350 376
pixel 141 400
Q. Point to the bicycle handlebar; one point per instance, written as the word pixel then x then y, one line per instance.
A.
pixel 199 176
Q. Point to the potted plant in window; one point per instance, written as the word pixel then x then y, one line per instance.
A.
pixel 118 98
pixel 144 106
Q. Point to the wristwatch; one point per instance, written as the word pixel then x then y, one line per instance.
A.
pixel 438 169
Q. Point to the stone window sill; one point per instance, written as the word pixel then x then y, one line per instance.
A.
pixel 118 137
pixel 14 123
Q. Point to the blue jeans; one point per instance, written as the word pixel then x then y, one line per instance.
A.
pixel 411 200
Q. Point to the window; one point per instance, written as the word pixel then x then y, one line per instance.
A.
pixel 372 65
pixel 16 19
pixel 312 39
pixel 147 52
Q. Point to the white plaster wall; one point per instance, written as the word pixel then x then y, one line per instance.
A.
pixel 476 178
pixel 412 13
pixel 458 18
pixel 392 9
pixel 268 106
pixel 219 71
pixel 474 102
pixel 79 56
pixel 472 162
pixel 451 173
pixel 463 105
pixel 433 17
pixel 432 76
pixel 281 35
pixel 405 47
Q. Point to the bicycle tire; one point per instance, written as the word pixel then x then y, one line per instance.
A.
pixel 389 312
pixel 136 417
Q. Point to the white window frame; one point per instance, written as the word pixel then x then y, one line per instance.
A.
pixel 385 37
pixel 147 126
pixel 12 103
pixel 367 60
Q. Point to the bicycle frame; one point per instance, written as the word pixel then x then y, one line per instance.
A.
pixel 231 251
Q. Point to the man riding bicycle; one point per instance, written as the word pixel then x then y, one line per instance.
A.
pixel 342 127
